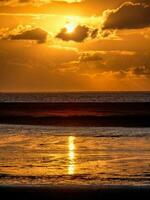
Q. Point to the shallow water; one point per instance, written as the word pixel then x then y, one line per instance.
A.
pixel 84 156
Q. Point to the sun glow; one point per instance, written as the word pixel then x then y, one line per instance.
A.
pixel 70 27
pixel 71 155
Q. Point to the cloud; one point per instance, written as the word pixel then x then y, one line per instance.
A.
pixel 41 68
pixel 87 57
pixel 78 35
pixel 37 34
pixel 25 1
pixel 120 63
pixel 142 70
pixel 68 8
pixel 128 16
pixel 82 7
pixel 36 67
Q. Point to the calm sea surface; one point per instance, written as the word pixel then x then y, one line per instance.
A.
pixel 74 155
pixel 76 97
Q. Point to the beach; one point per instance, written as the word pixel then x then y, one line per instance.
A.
pixel 74 155
pixel 76 150
pixel 74 99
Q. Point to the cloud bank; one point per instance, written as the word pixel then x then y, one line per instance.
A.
pixel 78 35
pixel 35 34
pixel 128 16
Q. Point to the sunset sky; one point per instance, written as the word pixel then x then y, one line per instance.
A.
pixel 74 45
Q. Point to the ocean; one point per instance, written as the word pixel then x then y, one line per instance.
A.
pixel 83 154
pixel 76 97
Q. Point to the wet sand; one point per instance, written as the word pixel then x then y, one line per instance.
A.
pixel 35 155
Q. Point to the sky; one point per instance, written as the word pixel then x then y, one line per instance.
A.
pixel 74 45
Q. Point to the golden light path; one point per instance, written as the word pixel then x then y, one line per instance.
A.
pixel 71 155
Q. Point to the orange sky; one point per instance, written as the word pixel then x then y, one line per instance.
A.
pixel 74 45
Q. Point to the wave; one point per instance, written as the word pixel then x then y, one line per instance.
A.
pixel 76 114
pixel 82 178
pixel 112 132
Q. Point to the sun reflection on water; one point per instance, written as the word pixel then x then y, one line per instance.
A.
pixel 71 155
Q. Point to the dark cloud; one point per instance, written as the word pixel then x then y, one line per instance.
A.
pixel 128 16
pixel 142 1
pixel 120 63
pixel 78 35
pixel 35 34
pixel 142 70
pixel 106 33
pixel 94 33
pixel 87 57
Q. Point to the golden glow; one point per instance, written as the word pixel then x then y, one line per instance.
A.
pixel 71 155
pixel 70 27
pixel 85 155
